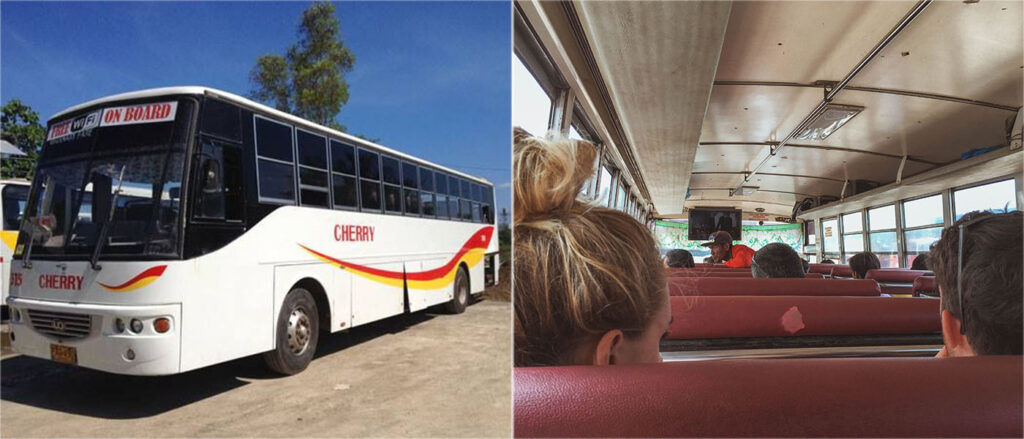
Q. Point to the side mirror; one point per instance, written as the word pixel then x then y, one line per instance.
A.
pixel 211 176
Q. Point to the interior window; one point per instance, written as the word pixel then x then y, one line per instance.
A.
pixel 531 105
pixel 1000 196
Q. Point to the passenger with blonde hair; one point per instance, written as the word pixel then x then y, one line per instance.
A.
pixel 590 288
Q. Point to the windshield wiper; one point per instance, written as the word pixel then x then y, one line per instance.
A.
pixel 100 241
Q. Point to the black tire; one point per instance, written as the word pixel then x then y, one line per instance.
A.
pixel 298 330
pixel 460 296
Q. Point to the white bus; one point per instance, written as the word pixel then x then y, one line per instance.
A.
pixel 13 195
pixel 176 228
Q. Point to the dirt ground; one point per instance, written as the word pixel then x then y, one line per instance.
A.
pixel 422 375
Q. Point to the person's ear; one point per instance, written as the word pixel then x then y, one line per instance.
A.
pixel 956 343
pixel 604 354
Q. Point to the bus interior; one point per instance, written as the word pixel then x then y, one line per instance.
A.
pixel 836 128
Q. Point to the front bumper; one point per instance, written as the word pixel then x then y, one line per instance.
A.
pixel 102 347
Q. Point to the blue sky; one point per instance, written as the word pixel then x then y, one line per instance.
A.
pixel 431 79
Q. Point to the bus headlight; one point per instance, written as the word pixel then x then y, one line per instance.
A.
pixel 119 326
pixel 136 326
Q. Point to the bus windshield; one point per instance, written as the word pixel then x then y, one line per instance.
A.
pixel 126 178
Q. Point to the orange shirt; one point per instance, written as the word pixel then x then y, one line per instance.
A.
pixel 741 256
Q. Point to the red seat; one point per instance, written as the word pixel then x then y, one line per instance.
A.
pixel 772 316
pixel 925 285
pixel 895 280
pixel 741 273
pixel 895 275
pixel 861 397
pixel 707 269
pixel 841 271
pixel 716 286
pixel 821 268
pixel 676 272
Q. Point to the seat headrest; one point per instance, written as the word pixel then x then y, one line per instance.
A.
pixel 901 275
pixel 716 286
pixel 774 316
pixel 861 397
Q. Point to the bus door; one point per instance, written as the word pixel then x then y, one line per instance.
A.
pixel 218 201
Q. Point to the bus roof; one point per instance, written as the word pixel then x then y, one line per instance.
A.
pixel 231 97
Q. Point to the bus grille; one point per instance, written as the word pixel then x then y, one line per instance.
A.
pixel 60 324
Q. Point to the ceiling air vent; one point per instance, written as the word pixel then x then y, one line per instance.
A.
pixel 830 119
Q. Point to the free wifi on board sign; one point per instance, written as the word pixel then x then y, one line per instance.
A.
pixel 126 115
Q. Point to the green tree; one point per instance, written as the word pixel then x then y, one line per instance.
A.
pixel 309 80
pixel 20 127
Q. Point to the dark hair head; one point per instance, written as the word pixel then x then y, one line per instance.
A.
pixel 827 261
pixel 861 262
pixel 920 262
pixel 679 259
pixel 991 282
pixel 777 260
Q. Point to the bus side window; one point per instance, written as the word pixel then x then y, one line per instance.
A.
pixel 219 194
pixel 369 180
pixel 441 186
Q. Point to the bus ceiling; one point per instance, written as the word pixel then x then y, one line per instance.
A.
pixel 696 98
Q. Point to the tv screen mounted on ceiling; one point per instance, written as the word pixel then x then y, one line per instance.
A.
pixel 704 222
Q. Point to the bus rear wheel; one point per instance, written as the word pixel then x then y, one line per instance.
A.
pixel 298 329
pixel 460 297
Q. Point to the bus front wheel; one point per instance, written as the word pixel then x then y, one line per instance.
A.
pixel 298 329
pixel 460 296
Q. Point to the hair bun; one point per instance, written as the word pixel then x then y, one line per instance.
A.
pixel 548 174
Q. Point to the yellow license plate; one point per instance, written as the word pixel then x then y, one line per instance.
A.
pixel 63 354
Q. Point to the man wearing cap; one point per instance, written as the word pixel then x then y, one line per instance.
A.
pixel 722 249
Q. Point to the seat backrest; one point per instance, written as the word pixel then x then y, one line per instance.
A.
pixel 773 316
pixel 900 275
pixel 821 268
pixel 841 271
pixel 859 397
pixel 707 269
pixel 716 286
pixel 739 273
pixel 676 272
pixel 925 285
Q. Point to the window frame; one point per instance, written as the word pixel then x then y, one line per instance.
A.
pixel 355 166
pixel 379 180
pixel 955 189
pixel 842 237
pixel 257 157
pixel 944 197
pixel 298 170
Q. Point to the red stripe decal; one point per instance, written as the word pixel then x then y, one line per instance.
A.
pixel 480 239
pixel 153 271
